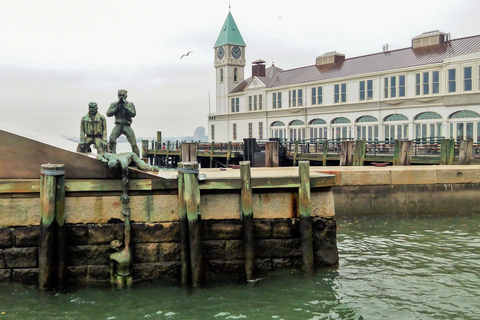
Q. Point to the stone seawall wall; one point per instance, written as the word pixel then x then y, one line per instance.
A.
pixel 156 251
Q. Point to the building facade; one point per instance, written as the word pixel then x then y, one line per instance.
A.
pixel 431 89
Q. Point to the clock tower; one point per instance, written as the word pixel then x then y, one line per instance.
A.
pixel 229 62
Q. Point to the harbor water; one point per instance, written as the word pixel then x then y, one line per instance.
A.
pixel 390 268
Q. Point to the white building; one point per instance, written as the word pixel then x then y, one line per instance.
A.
pixel 431 89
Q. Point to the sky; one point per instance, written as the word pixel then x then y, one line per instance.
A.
pixel 56 56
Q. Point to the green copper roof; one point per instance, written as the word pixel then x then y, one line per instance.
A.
pixel 229 33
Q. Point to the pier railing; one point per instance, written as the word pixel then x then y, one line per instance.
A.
pixel 424 150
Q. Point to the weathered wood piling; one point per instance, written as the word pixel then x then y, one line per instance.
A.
pixel 305 212
pixel 51 253
pixel 246 206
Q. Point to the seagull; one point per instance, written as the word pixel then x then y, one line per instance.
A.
pixel 186 54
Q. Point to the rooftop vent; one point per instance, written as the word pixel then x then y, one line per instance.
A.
pixel 258 68
pixel 330 57
pixel 429 39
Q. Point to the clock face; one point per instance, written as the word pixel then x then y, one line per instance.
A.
pixel 220 53
pixel 236 52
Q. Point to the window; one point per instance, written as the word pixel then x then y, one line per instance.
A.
pixel 292 98
pixel 467 79
pixel 401 86
pixel 452 83
pixel 235 74
pixel 255 102
pixel 340 93
pixel 317 95
pixel 250 130
pixel 234 129
pixel 235 104
pixel 366 90
pixel 427 83
pixel 212 132
pixel 277 100
pixel 260 130
pixel 221 74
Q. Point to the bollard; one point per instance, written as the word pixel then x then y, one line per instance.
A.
pixel 247 218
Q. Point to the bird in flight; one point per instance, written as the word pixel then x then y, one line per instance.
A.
pixel 186 54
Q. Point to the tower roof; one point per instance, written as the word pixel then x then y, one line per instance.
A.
pixel 229 33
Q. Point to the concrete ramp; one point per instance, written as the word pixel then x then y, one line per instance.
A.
pixel 22 154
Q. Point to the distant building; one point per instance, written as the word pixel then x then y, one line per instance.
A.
pixel 199 134
pixel 431 89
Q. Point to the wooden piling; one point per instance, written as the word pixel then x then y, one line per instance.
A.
pixel 295 153
pixel 396 152
pixel 184 237
pixel 325 152
pixel 346 157
pixel 144 148
pixel 359 153
pixel 447 151
pixel 189 151
pixel 51 263
pixel 229 153
pixel 405 153
pixel 272 154
pixel 192 204
pixel 247 218
pixel 465 152
pixel 305 211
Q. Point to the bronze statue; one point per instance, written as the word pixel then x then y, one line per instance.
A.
pixel 121 263
pixel 121 260
pixel 123 111
pixel 93 130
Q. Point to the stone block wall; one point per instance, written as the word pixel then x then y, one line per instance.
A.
pixel 156 249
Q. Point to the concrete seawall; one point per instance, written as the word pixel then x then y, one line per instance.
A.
pixel 406 190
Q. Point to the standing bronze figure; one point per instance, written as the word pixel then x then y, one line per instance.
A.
pixel 123 111
pixel 93 130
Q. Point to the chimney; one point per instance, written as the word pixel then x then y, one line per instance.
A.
pixel 258 68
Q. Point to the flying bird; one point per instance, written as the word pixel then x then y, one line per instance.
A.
pixel 186 54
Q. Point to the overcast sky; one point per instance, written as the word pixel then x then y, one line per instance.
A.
pixel 58 55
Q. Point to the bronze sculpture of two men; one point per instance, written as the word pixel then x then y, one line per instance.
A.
pixel 93 127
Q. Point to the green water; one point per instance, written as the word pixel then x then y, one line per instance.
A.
pixel 396 268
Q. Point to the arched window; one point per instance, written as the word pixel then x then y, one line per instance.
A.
pixel 340 120
pixel 278 130
pixel 297 130
pixel 317 121
pixel 367 119
pixel 464 124
pixel 464 114
pixel 235 72
pixel 429 115
pixel 318 129
pixel 428 125
pixel 221 74
pixel 395 117
pixel 296 123
pixel 398 130
pixel 365 129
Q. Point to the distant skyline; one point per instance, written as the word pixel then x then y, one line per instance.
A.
pixel 57 56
